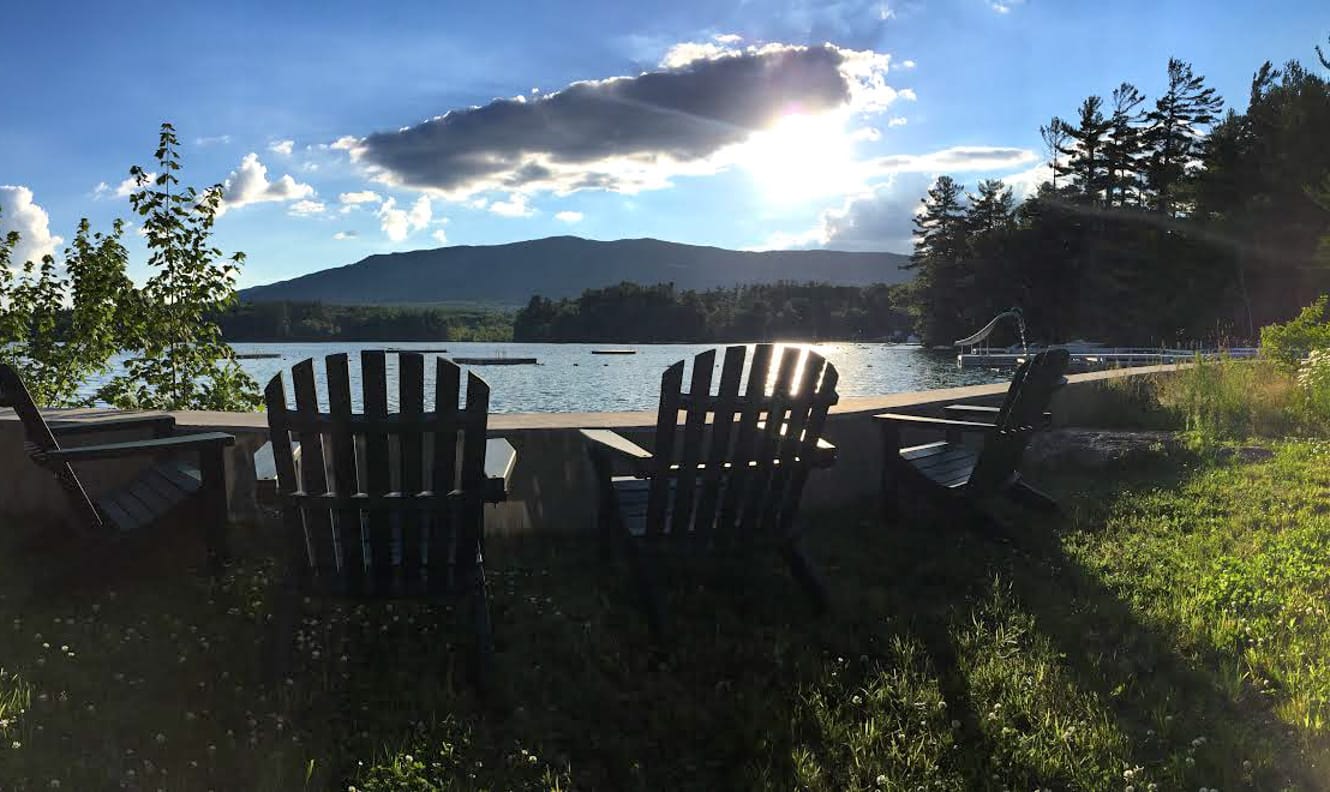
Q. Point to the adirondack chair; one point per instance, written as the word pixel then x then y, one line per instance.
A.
pixel 958 473
pixel 385 505
pixel 189 469
pixel 729 476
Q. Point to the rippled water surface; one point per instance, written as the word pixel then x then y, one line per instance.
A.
pixel 569 378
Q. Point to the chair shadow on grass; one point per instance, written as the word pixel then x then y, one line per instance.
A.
pixel 1159 700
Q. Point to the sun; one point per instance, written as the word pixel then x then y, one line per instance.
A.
pixel 801 156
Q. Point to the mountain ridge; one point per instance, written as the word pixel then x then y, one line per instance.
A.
pixel 564 266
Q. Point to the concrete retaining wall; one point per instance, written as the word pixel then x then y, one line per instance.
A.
pixel 552 488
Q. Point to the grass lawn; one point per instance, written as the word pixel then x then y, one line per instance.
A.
pixel 1168 631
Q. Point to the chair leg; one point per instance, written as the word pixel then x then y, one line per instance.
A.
pixel 212 497
pixel 277 654
pixel 809 576
pixel 482 655
pixel 1023 493
pixel 649 597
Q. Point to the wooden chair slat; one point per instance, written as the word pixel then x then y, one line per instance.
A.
pixel 767 441
pixel 139 515
pixel 694 424
pixel 351 540
pixel 744 451
pixel 726 405
pixel 411 403
pixel 142 489
pixel 667 416
pixel 293 519
pixel 468 554
pixel 374 379
pixel 313 474
pixel 440 545
pixel 790 440
pixel 813 428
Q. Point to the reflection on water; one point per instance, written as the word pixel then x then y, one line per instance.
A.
pixel 570 379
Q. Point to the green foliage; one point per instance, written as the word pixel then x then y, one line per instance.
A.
pixel 1288 343
pixel 314 321
pixel 177 357
pixel 1227 400
pixel 58 328
pixel 779 311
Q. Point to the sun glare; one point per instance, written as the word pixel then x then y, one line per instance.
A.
pixel 801 156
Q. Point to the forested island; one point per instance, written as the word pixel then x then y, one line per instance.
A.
pixel 660 313
pixel 316 321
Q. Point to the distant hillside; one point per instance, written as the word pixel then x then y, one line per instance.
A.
pixel 564 267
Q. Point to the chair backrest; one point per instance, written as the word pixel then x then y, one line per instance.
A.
pixel 385 504
pixel 1021 415
pixel 738 461
pixel 38 440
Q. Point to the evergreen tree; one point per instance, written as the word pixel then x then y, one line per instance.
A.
pixel 1175 132
pixel 1054 135
pixel 940 249
pixel 992 208
pixel 1122 149
pixel 1086 164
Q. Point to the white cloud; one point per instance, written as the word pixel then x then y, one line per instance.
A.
pixel 306 208
pixel 212 141
pixel 881 216
pixel 686 52
pixel 398 224
pixel 908 94
pixel 1025 183
pixel 568 216
pixel 515 206
pixel 1004 6
pixel 33 224
pixel 898 121
pixel 908 64
pixel 727 38
pixel 885 12
pixel 248 184
pixel 361 197
pixel 345 235
pixel 870 134
pixel 440 236
pixel 282 147
pixel 124 189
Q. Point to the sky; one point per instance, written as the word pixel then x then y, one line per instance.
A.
pixel 344 129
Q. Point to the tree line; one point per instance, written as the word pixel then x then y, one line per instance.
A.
pixel 1162 221
pixel 316 321
pixel 630 312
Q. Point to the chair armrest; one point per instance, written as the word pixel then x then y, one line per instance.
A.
pixel 118 450
pixel 617 446
pixel 161 425
pixel 924 422
pixel 980 412
pixel 500 459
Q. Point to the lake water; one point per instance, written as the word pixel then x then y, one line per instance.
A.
pixel 571 379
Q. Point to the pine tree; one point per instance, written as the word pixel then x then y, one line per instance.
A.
pixel 1085 164
pixel 940 249
pixel 992 208
pixel 1176 130
pixel 1122 151
pixel 1054 135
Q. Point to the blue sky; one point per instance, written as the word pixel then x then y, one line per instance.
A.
pixel 758 124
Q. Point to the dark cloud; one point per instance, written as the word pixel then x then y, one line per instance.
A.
pixel 610 133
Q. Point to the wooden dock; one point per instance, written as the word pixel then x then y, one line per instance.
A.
pixel 1091 358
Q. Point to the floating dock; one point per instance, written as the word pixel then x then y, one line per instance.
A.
pixel 496 361
pixel 614 351
pixel 257 355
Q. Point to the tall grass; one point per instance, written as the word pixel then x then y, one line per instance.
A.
pixel 1226 399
